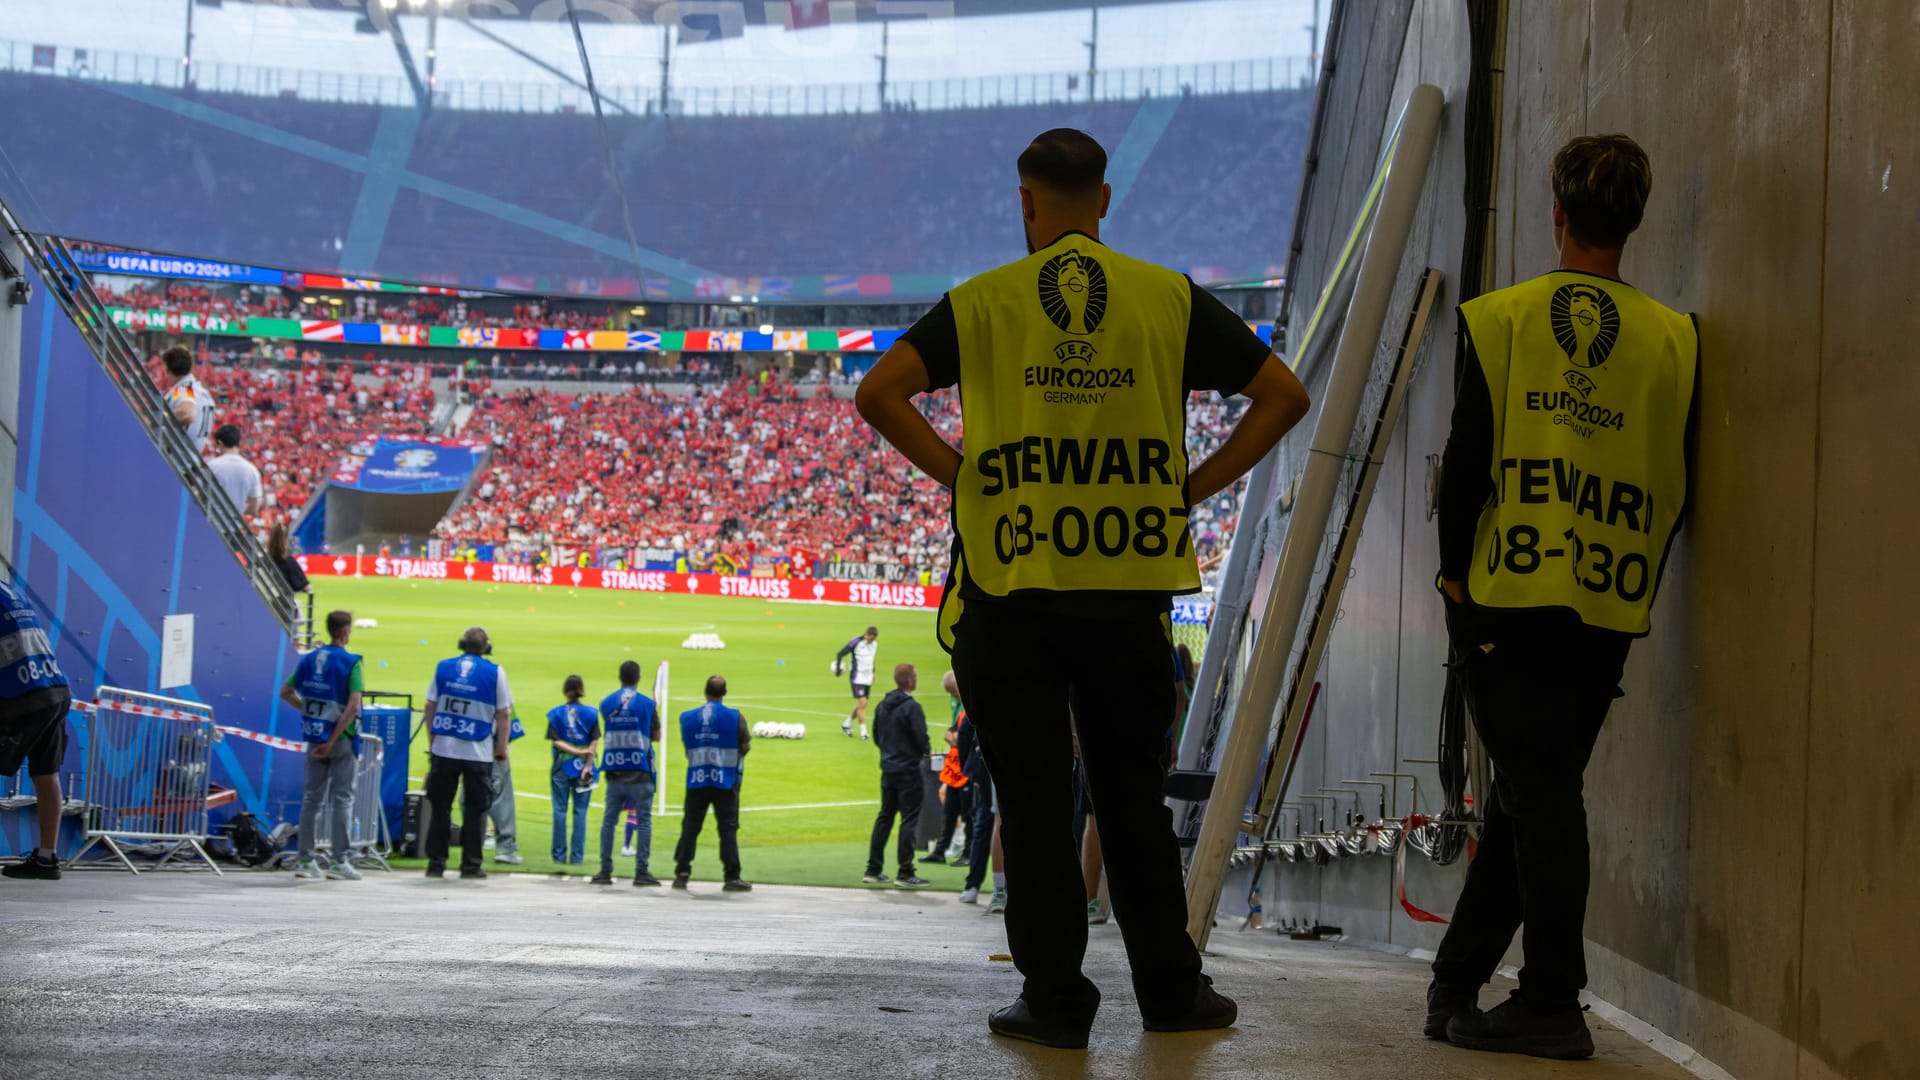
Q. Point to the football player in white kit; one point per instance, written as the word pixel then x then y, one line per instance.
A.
pixel 862 649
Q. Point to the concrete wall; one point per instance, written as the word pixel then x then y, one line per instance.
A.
pixel 1755 819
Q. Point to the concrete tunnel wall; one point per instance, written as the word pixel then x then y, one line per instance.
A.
pixel 1755 830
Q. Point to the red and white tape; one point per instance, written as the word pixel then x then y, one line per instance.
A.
pixel 132 708
pixel 274 741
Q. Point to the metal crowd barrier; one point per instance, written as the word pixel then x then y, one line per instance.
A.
pixel 149 764
pixel 367 832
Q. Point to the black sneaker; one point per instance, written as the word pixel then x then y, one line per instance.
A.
pixel 642 879
pixel 911 881
pixel 1016 1021
pixel 1513 1027
pixel 1443 1004
pixel 436 871
pixel 1210 1009
pixel 738 885
pixel 604 877
pixel 877 879
pixel 936 860
pixel 34 868
pixel 680 880
pixel 475 874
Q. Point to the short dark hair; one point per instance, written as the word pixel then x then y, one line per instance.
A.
pixel 716 687
pixel 1065 159
pixel 228 436
pixel 629 673
pixel 338 621
pixel 1601 182
pixel 179 360
pixel 874 630
pixel 574 688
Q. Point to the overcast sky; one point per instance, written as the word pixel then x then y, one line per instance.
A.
pixel 1151 35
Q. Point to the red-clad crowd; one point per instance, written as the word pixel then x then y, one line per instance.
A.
pixel 296 424
pixel 739 470
pixel 239 301
pixel 184 297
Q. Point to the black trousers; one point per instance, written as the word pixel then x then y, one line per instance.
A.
pixel 1019 669
pixel 725 804
pixel 475 778
pixel 901 793
pixel 958 805
pixel 1538 701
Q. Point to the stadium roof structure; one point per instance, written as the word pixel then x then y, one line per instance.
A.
pixel 648 11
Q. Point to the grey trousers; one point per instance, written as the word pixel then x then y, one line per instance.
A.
pixel 506 841
pixel 326 805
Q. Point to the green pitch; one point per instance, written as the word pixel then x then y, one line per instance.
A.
pixel 808 804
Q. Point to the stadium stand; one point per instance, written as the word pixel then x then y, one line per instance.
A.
pixel 269 181
pixel 740 467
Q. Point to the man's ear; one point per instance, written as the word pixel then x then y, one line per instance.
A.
pixel 1106 199
pixel 1559 215
pixel 1026 203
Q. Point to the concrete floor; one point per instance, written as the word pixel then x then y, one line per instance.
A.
pixel 107 975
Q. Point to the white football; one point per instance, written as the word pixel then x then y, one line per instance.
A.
pixel 799 731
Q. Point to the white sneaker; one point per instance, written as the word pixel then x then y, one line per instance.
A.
pixel 488 843
pixel 1096 913
pixel 512 858
pixel 846 727
pixel 308 870
pixel 626 852
pixel 343 871
pixel 863 734
pixel 969 896
pixel 998 906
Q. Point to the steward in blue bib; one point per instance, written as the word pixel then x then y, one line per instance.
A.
pixel 26 653
pixel 327 678
pixel 711 735
pixel 572 723
pixel 628 717
pixel 465 691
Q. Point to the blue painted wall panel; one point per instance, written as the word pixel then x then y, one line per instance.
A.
pixel 106 545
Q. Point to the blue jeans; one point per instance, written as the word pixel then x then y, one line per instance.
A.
pixel 638 794
pixel 563 796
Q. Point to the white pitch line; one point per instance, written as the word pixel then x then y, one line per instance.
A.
pixel 676 811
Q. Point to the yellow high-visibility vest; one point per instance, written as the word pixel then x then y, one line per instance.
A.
pixel 1075 466
pixel 1591 382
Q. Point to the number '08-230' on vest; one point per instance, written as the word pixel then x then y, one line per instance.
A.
pixel 1591 383
pixel 1072 366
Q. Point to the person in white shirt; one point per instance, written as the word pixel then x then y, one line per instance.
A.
pixel 238 477
pixel 190 402
pixel 862 650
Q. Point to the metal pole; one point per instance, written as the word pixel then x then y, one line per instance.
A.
pixel 186 57
pixel 1093 50
pixel 883 65
pixel 1267 675
pixel 666 67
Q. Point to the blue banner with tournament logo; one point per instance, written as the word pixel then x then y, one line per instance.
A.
pixel 415 466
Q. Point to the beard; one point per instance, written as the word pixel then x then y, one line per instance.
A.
pixel 1026 233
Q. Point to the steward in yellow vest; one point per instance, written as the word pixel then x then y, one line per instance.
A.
pixel 1563 482
pixel 1589 384
pixel 1070 517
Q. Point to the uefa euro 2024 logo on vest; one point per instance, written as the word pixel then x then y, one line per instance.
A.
pixel 1073 293
pixel 1585 323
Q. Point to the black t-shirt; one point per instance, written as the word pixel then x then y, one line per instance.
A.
pixel 1222 355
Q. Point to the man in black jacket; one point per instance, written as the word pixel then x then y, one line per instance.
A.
pixel 900 731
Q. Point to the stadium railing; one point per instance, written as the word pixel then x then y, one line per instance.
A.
pixel 75 295
pixel 762 96
pixel 148 780
pixel 367 832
